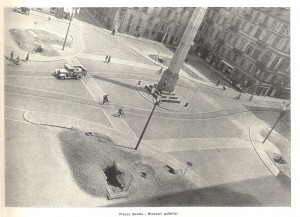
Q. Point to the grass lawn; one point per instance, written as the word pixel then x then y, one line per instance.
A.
pixel 88 155
pixel 28 40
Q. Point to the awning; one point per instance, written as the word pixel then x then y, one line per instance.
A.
pixel 227 64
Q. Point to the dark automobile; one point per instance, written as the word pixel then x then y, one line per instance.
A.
pixel 22 10
pixel 236 85
pixel 70 72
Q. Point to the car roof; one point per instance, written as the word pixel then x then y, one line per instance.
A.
pixel 68 66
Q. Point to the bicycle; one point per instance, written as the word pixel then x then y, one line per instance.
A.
pixel 117 114
pixel 102 102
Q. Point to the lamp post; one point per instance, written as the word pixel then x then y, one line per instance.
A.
pixel 71 17
pixel 281 115
pixel 158 101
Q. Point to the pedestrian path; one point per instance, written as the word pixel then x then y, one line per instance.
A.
pixel 172 145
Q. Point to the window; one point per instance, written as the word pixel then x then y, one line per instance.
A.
pixel 256 54
pixel 232 19
pixel 250 29
pixel 146 32
pixel 218 18
pixel 237 23
pixel 274 63
pixel 249 49
pixel 258 33
pixel 242 62
pixel 250 65
pixel 284 65
pixel 163 27
pixel 243 43
pixel 284 29
pixel 243 25
pixel 229 37
pixel 274 24
pixel 224 21
pixel 130 19
pixel 138 25
pixel 267 36
pixel 235 57
pixel 145 10
pixel 257 15
pixel 235 40
pixel 275 41
pixel 168 13
pixel 217 35
pixel 266 58
pixel 212 32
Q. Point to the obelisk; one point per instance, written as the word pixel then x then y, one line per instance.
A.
pixel 170 76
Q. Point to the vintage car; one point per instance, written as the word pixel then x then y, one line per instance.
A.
pixel 22 10
pixel 70 72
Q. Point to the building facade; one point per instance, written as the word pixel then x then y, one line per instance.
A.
pixel 250 46
pixel 163 24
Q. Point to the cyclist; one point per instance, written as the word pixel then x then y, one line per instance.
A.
pixel 120 111
pixel 105 98
pixel 17 61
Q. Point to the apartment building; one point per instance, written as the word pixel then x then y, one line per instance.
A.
pixel 156 23
pixel 250 46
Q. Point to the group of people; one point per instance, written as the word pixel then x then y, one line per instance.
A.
pixel 105 99
pixel 107 58
pixel 17 60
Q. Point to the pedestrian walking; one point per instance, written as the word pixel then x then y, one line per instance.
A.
pixel 106 58
pixel 12 55
pixel 218 82
pixel 239 96
pixel 224 87
pixel 27 57
pixel 250 98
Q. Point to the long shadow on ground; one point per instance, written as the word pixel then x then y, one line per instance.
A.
pixel 119 83
pixel 266 191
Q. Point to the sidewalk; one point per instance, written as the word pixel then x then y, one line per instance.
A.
pixel 275 146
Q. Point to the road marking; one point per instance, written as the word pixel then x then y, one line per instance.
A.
pixel 17 108
pixel 17 120
pixel 89 90
pixel 46 91
pixel 29 76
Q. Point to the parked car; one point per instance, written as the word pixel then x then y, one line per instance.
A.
pixel 236 85
pixel 70 72
pixel 22 10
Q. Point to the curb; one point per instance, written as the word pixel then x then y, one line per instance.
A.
pixel 263 155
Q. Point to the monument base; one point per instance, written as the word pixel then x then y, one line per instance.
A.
pixel 164 96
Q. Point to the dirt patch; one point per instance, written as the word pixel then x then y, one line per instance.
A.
pixel 29 40
pixel 88 155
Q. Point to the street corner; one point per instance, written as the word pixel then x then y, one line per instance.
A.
pixel 274 152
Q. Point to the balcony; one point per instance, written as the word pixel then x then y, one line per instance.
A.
pixel 263 24
pixel 260 65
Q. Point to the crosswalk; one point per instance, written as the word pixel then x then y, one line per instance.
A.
pixel 96 92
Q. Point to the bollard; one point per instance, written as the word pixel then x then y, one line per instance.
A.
pixel 139 82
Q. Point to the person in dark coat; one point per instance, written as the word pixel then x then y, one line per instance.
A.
pixel 109 57
pixel 106 58
pixel 12 55
pixel 27 57
pixel 218 82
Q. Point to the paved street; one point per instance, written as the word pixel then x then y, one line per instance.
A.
pixel 213 132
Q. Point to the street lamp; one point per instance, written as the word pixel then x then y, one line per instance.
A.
pixel 157 102
pixel 71 17
pixel 281 115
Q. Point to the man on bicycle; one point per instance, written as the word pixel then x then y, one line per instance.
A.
pixel 120 111
pixel 105 98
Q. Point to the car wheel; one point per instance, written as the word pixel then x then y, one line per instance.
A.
pixel 63 77
pixel 79 76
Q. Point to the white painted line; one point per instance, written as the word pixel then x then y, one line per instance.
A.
pixel 46 91
pixel 29 76
pixel 88 90
pixel 16 108
pixel 25 122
